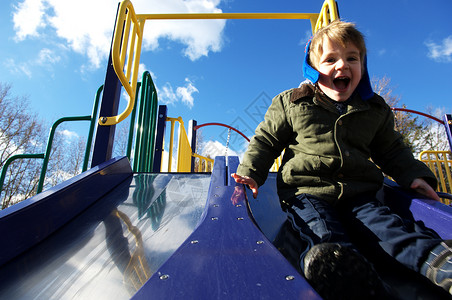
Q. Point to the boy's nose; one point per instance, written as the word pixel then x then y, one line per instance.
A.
pixel 340 64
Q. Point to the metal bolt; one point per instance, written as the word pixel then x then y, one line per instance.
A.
pixel 238 205
pixel 216 205
pixel 103 120
pixel 214 218
pixel 216 195
pixel 194 242
pixel 259 242
pixel 164 277
pixel 240 218
pixel 290 277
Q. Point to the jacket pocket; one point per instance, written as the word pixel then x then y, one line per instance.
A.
pixel 302 169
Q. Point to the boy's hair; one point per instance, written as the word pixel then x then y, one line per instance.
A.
pixel 340 33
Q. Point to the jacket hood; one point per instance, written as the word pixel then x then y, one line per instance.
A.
pixel 364 87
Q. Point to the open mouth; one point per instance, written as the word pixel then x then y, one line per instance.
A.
pixel 341 83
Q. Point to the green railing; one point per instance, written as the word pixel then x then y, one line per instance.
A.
pixel 141 140
pixel 50 143
pixel 143 157
pixel 46 156
pixel 144 132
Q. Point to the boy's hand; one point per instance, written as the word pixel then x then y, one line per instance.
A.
pixel 248 181
pixel 422 187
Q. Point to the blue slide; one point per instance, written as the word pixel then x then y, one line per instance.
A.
pixel 110 233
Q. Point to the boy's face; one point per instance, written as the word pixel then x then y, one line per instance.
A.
pixel 340 70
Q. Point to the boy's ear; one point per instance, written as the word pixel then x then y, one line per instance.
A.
pixel 364 87
pixel 308 71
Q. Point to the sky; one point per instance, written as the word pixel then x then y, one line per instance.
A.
pixel 54 52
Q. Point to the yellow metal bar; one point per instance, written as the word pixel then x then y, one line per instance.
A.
pixel 128 20
pixel 218 16
pixel 328 14
pixel 125 39
pixel 233 16
pixel 121 52
pixel 170 150
pixel 440 164
pixel 184 151
pixel 206 161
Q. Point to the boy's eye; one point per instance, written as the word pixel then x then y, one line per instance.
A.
pixel 330 60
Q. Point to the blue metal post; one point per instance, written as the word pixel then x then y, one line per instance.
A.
pixel 192 138
pixel 448 124
pixel 103 144
pixel 161 126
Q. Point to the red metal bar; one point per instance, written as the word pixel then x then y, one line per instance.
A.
pixel 221 124
pixel 417 112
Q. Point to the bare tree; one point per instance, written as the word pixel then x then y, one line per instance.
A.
pixel 20 132
pixel 413 128
pixel 435 138
pixel 66 159
pixel 121 138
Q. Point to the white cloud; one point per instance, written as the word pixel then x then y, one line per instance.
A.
pixel 141 69
pixel 307 36
pixel 382 52
pixel 215 148
pixel 440 52
pixel 47 56
pixel 199 36
pixel 28 18
pixel 183 94
pixel 18 68
pixel 166 94
pixel 86 26
pixel 68 134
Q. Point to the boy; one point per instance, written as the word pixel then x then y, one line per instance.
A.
pixel 330 128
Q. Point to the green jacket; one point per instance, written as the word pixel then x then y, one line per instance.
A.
pixel 329 155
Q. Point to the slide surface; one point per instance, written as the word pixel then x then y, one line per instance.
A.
pixel 114 246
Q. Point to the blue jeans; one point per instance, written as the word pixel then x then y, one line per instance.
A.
pixel 364 224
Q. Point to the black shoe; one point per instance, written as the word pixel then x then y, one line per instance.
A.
pixel 339 272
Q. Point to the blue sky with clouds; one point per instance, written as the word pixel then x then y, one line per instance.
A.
pixel 55 53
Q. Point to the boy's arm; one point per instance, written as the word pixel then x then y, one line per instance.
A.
pixel 269 140
pixel 396 159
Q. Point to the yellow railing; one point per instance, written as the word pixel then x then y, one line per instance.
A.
pixel 126 51
pixel 128 38
pixel 184 150
pixel 204 164
pixel 440 162
pixel 126 47
pixel 328 14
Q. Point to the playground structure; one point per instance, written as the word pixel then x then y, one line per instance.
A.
pixel 114 230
